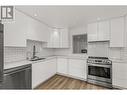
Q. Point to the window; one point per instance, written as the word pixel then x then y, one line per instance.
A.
pixel 80 44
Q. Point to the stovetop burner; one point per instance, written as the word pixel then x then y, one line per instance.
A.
pixel 98 60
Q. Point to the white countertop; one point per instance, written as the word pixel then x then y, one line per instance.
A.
pixel 8 65
pixel 82 57
pixel 16 64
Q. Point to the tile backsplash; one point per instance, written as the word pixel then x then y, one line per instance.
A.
pixel 40 50
pixel 12 54
pixel 103 49
pixel 100 49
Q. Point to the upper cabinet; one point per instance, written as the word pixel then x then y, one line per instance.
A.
pixel 98 31
pixel 37 31
pixel 58 38
pixel 117 38
pixel 15 31
pixel 22 28
pixel 92 32
pixel 112 30
pixel 53 39
pixel 104 30
pixel 64 38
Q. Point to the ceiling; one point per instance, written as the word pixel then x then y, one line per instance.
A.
pixel 71 16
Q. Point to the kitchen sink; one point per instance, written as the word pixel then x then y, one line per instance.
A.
pixel 36 59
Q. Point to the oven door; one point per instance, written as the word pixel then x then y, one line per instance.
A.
pixel 100 72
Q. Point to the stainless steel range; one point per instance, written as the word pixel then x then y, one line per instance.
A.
pixel 99 71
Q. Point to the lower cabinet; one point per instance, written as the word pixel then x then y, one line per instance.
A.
pixel 72 67
pixel 62 65
pixel 119 77
pixel 41 71
pixel 77 68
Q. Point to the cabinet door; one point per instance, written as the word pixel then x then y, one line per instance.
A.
pixel 31 31
pixel 62 65
pixel 117 32
pixel 49 43
pixel 119 74
pixel 37 31
pixel 41 71
pixel 77 68
pixel 51 64
pixel 64 38
pixel 103 30
pixel 38 73
pixel 15 31
pixel 56 38
pixel 53 39
pixel 92 32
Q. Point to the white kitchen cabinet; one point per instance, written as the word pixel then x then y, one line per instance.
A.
pixel 53 39
pixel 15 31
pixel 62 65
pixel 92 31
pixel 36 30
pixel 103 30
pixel 119 76
pixel 117 32
pixel 99 31
pixel 64 38
pixel 58 38
pixel 24 27
pixel 41 71
pixel 77 68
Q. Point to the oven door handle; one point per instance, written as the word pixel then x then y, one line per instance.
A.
pixel 99 65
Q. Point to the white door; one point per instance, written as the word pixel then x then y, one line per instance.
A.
pixel 117 32
pixel 62 65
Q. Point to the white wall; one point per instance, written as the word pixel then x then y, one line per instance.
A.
pixel 72 31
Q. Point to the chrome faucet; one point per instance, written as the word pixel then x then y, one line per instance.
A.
pixel 34 52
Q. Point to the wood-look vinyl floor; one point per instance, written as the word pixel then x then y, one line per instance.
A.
pixel 59 82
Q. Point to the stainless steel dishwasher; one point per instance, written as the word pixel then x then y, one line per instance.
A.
pixel 17 78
